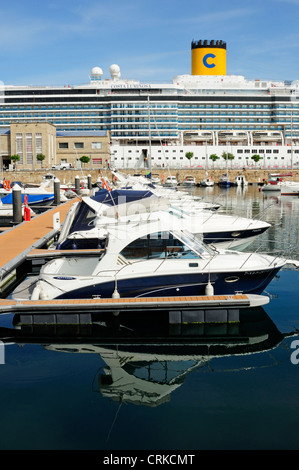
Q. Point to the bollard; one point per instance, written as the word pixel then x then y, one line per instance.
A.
pixel 89 182
pixel 77 184
pixel 56 192
pixel 17 204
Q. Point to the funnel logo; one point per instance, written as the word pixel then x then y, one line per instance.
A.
pixel 205 61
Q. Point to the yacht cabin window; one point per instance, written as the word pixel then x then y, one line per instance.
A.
pixel 162 245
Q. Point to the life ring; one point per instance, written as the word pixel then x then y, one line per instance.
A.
pixel 6 185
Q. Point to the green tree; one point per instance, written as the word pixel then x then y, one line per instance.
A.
pixel 256 158
pixel 189 155
pixel 40 158
pixel 228 156
pixel 213 157
pixel 15 158
pixel 84 159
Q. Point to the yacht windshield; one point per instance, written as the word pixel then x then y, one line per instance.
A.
pixel 191 242
pixel 165 245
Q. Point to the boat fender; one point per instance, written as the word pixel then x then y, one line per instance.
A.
pixel 115 294
pixel 27 214
pixel 209 289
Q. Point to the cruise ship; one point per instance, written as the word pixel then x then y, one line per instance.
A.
pixel 207 112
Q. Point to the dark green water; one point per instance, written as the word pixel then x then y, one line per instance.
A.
pixel 135 383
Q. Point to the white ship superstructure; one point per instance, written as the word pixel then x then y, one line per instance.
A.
pixel 202 113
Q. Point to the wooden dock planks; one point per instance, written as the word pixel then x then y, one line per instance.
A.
pixel 99 304
pixel 15 241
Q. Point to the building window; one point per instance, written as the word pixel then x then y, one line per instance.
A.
pixel 19 146
pixel 96 145
pixel 63 145
pixel 97 161
pixel 78 145
pixel 29 152
pixel 38 143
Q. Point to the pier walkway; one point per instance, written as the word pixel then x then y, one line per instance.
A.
pixel 17 241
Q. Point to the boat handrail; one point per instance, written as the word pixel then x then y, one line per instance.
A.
pixel 274 254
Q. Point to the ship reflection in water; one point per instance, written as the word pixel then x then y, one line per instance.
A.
pixel 147 358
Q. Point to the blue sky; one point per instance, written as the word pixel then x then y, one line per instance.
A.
pixel 58 42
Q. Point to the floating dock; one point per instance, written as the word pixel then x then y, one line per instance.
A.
pixel 16 242
pixel 191 309
pixel 98 304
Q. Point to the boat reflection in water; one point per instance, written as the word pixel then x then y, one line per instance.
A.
pixel 146 357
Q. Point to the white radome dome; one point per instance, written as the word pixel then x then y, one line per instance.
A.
pixel 114 71
pixel 114 68
pixel 96 72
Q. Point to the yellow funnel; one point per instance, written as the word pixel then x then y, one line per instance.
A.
pixel 208 57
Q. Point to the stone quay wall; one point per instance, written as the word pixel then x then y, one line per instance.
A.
pixel 253 176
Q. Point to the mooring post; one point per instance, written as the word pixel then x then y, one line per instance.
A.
pixel 89 182
pixel 77 184
pixel 17 204
pixel 56 192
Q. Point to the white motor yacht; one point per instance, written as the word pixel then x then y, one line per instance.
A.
pixel 207 182
pixel 240 180
pixel 85 219
pixel 180 199
pixel 189 181
pixel 152 255
pixel 171 181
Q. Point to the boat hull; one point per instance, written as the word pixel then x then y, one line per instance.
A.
pixel 231 239
pixel 224 184
pixel 174 285
pixel 32 199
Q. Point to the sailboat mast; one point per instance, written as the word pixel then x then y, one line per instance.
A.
pixel 292 140
pixel 149 134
